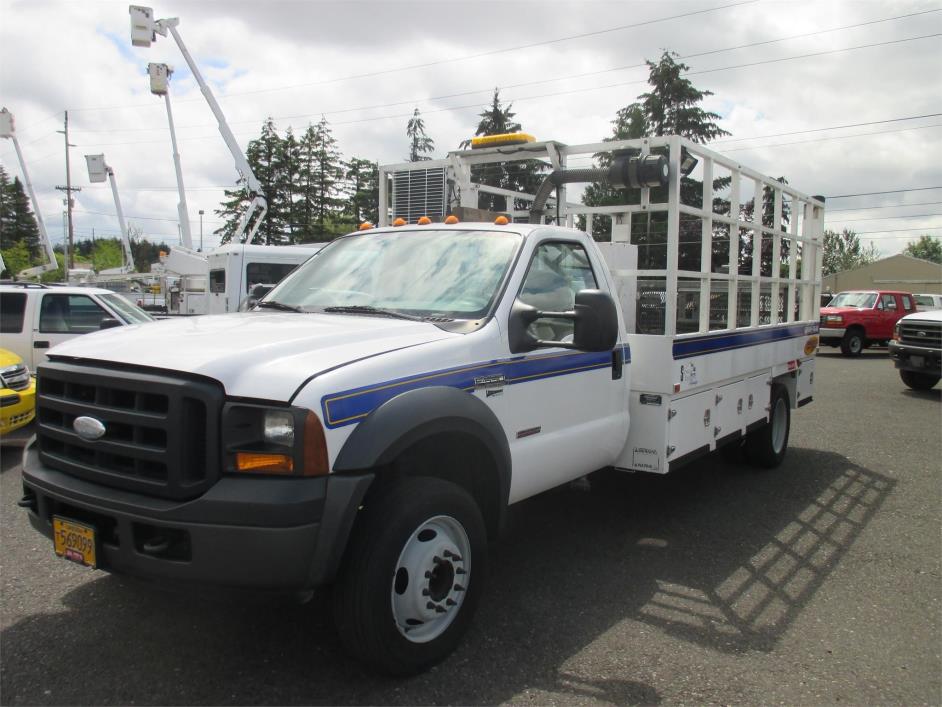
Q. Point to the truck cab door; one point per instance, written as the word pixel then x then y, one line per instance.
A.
pixel 62 316
pixel 888 312
pixel 565 411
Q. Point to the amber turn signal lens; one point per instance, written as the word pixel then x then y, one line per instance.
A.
pixel 399 222
pixel 315 447
pixel 424 221
pixel 452 219
pixel 264 463
pixel 366 226
pixel 501 220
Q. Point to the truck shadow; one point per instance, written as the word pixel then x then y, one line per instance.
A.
pixel 715 555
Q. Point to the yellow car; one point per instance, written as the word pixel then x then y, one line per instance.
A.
pixel 17 394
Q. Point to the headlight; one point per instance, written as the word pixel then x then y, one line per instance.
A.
pixel 260 439
pixel 278 427
pixel 833 318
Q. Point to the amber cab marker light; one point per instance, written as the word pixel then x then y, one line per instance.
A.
pixel 399 222
pixel 264 463
pixel 501 220
pixel 451 220
pixel 424 221
pixel 366 226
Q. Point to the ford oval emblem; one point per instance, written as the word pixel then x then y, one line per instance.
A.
pixel 88 428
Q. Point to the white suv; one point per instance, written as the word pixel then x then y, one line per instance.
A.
pixel 928 302
pixel 34 318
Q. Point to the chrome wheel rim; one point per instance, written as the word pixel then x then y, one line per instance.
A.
pixel 856 345
pixel 430 579
pixel 779 417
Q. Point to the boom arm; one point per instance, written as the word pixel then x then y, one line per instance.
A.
pixel 125 239
pixel 252 218
pixel 50 263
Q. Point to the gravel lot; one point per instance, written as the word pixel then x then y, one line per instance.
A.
pixel 818 583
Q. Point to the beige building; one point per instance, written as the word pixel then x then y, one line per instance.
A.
pixel 898 272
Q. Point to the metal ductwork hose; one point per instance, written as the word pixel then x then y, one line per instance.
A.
pixel 629 172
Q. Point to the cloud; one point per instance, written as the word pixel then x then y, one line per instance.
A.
pixel 290 60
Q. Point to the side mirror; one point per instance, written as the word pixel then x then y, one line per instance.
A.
pixel 595 320
pixel 108 323
pixel 260 290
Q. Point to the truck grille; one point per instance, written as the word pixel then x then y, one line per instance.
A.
pixel 921 333
pixel 161 433
pixel 17 378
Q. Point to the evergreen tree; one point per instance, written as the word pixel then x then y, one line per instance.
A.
pixel 670 107
pixel 362 182
pixel 287 178
pixel 17 222
pixel 522 176
pixel 319 184
pixel 263 155
pixel 230 211
pixel 421 145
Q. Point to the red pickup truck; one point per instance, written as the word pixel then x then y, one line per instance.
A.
pixel 856 319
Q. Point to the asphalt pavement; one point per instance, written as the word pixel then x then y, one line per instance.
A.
pixel 816 583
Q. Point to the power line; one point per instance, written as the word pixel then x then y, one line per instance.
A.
pixel 883 218
pixel 476 106
pixel 874 193
pixel 531 83
pixel 831 127
pixel 886 206
pixel 452 60
pixel 903 230
pixel 833 137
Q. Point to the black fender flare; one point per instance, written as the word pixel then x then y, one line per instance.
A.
pixel 418 414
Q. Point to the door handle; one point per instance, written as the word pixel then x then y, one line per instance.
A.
pixel 40 344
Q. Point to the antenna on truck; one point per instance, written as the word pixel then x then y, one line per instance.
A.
pixel 7 130
pixel 144 31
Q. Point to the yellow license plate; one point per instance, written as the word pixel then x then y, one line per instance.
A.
pixel 74 541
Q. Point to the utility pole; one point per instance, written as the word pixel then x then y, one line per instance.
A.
pixel 68 189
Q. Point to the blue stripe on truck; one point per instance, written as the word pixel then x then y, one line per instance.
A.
pixel 350 406
pixel 698 346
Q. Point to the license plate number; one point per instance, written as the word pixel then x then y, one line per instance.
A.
pixel 917 361
pixel 74 541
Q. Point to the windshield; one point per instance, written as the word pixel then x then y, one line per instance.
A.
pixel 453 274
pixel 130 313
pixel 862 300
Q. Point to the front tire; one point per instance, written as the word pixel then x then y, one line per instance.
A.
pixel 853 343
pixel 766 446
pixel 412 575
pixel 917 380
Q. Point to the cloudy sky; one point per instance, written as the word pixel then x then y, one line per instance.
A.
pixel 842 98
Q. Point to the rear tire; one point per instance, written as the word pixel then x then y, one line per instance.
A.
pixel 412 575
pixel 853 343
pixel 766 446
pixel 919 381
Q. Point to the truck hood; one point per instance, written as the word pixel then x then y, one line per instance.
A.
pixel 842 310
pixel 932 315
pixel 253 354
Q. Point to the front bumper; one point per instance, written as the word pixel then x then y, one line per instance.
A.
pixel 916 358
pixel 831 334
pixel 258 533
pixel 19 414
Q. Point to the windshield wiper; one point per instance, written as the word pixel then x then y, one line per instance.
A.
pixel 274 304
pixel 368 309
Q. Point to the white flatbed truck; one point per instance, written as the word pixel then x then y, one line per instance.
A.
pixel 369 423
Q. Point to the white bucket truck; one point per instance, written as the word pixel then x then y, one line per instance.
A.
pixel 369 423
